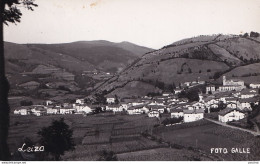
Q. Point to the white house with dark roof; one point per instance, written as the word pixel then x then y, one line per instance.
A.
pixel 176 113
pixel 246 103
pixel 111 100
pixel 67 110
pixel 22 111
pixel 254 85
pixel 166 94
pixel 159 108
pixel 193 115
pixel 80 101
pixel 115 108
pixel 153 113
pixel 248 93
pixel 210 88
pixel 52 110
pixel 229 114
pixel 177 91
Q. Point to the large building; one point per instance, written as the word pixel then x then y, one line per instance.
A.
pixel 193 115
pixel 230 114
pixel 232 85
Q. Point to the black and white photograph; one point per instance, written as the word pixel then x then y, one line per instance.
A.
pixel 130 80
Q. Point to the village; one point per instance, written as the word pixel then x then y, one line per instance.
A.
pixel 232 100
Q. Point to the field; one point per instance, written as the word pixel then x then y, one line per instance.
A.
pixel 122 135
pixel 207 135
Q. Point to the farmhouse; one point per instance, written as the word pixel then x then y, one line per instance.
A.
pixel 232 102
pixel 254 85
pixel 246 103
pixel 230 114
pixel 166 94
pixel 248 93
pixel 111 100
pixel 52 110
pixel 83 109
pixel 176 91
pixel 134 110
pixel 38 110
pixel 22 111
pixel 210 89
pixel 114 108
pixel 193 115
pixel 67 110
pixel 159 108
pixel 176 113
pixel 80 101
pixel 153 113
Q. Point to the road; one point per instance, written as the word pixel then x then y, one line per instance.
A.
pixel 233 127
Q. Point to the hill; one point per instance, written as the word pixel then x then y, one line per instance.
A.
pixel 77 56
pixel 198 58
pixel 76 66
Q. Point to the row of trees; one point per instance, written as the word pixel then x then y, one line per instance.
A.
pixel 10 13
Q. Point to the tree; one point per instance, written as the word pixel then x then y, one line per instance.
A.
pixel 57 138
pixel 10 14
pixel 189 69
pixel 116 99
pixel 107 156
pixel 26 103
pixel 254 34
pixel 245 35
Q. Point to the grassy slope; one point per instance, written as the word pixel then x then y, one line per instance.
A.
pixel 215 53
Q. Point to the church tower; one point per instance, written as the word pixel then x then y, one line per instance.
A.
pixel 224 80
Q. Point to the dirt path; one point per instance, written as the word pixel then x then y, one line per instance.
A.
pixel 233 127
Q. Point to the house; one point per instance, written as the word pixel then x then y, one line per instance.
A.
pixel 254 85
pixel 210 89
pixel 173 98
pixel 80 101
pixel 248 93
pixel 159 108
pixel 176 113
pixel 211 102
pixel 153 113
pixel 134 110
pixel 177 91
pixel 193 115
pixel 230 114
pixel 114 108
pixel 166 94
pixel 16 111
pixel 22 111
pixel 83 109
pixel 125 105
pixel 197 105
pixel 48 102
pixel 146 99
pixel 39 110
pixel 111 100
pixel 52 110
pixel 67 110
pixel 246 103
pixel 183 101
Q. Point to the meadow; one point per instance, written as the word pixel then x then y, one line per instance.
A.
pixel 123 134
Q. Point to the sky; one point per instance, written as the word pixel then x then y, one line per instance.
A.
pixel 150 23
